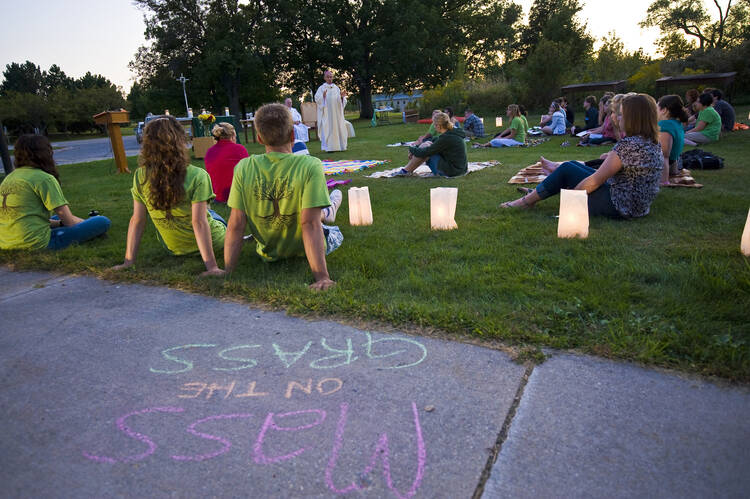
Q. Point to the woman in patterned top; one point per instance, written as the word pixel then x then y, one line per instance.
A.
pixel 628 180
pixel 175 194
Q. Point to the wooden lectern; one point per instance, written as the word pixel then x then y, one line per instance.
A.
pixel 113 120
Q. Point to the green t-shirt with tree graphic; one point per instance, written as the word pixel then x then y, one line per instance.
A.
pixel 28 195
pixel 175 226
pixel 273 189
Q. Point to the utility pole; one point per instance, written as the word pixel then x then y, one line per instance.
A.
pixel 7 164
pixel 182 80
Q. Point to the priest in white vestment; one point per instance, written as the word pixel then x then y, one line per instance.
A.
pixel 332 127
pixel 300 129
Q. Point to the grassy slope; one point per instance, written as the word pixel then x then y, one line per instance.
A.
pixel 670 289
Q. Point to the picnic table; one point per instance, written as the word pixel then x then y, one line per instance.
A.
pixel 383 115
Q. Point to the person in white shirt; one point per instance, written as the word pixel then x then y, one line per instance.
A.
pixel 300 129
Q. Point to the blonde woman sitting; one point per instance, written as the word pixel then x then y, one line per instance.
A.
pixel 446 156
pixel 514 135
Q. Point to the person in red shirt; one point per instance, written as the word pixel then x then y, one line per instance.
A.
pixel 221 159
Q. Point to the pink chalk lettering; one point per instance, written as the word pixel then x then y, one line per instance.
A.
pixel 123 427
pixel 270 423
pixel 226 443
pixel 382 452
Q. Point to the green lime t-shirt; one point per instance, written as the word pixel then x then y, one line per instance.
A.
pixel 27 196
pixel 432 130
pixel 273 189
pixel 519 126
pixel 713 122
pixel 525 122
pixel 175 226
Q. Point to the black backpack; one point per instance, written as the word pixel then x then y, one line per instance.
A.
pixel 698 159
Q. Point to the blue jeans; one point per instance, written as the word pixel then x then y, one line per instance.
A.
pixel 433 162
pixel 62 237
pixel 567 176
pixel 216 216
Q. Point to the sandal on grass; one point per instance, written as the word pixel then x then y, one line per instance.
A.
pixel 523 205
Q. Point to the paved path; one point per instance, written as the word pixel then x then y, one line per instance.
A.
pixel 128 390
pixel 81 151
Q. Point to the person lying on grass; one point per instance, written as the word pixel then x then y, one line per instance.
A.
pixel 30 193
pixel 175 194
pixel 627 182
pixel 446 156
pixel 514 135
pixel 284 198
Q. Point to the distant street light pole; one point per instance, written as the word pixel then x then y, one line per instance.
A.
pixel 182 80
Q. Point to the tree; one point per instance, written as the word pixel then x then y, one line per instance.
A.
pixel 690 18
pixel 220 44
pixel 556 22
pixel 23 78
pixel 613 62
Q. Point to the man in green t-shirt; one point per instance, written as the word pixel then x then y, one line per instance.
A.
pixel 707 126
pixel 284 199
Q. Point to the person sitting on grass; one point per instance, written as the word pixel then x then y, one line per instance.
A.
pixel 708 125
pixel 591 116
pixel 570 115
pixel 431 132
pixel 672 118
pixel 524 116
pixel 725 109
pixel 473 126
pixel 608 131
pixel 446 156
pixel 691 97
pixel 175 194
pixel 222 157
pixel 449 111
pixel 626 183
pixel 557 123
pixel 30 193
pixel 514 135
pixel 284 199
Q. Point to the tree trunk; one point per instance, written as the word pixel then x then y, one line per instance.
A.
pixel 365 98
pixel 231 86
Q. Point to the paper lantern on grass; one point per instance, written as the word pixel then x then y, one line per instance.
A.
pixel 745 243
pixel 360 211
pixel 482 120
pixel 574 214
pixel 166 112
pixel 443 208
pixel 499 121
pixel 226 111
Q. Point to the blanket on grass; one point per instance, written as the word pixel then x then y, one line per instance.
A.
pixel 350 165
pixel 534 174
pixel 424 171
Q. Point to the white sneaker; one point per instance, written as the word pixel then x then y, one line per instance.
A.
pixel 330 212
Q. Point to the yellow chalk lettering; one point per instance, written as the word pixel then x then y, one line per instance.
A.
pixel 292 384
pixel 251 392
pixel 197 387
pixel 323 381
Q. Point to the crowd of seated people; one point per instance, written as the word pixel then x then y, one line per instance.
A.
pixel 648 139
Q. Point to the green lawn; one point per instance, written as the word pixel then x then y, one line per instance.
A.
pixel 671 289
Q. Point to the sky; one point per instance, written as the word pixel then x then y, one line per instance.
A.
pixel 102 36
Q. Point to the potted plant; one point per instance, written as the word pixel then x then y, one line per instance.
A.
pixel 202 143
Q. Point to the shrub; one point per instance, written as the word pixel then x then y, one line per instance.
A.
pixel 452 94
pixel 489 97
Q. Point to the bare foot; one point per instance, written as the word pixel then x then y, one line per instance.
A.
pixel 518 203
pixel 548 166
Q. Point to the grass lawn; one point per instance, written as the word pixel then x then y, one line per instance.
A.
pixel 671 289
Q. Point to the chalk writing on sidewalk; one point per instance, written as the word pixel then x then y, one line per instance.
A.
pixel 392 352
pixel 194 390
pixel 272 426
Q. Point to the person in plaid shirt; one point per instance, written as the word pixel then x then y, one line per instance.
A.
pixel 473 126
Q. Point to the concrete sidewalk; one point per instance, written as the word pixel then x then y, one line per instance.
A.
pixel 129 390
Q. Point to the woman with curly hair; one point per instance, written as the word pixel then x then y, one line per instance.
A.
pixel 175 194
pixel 30 193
